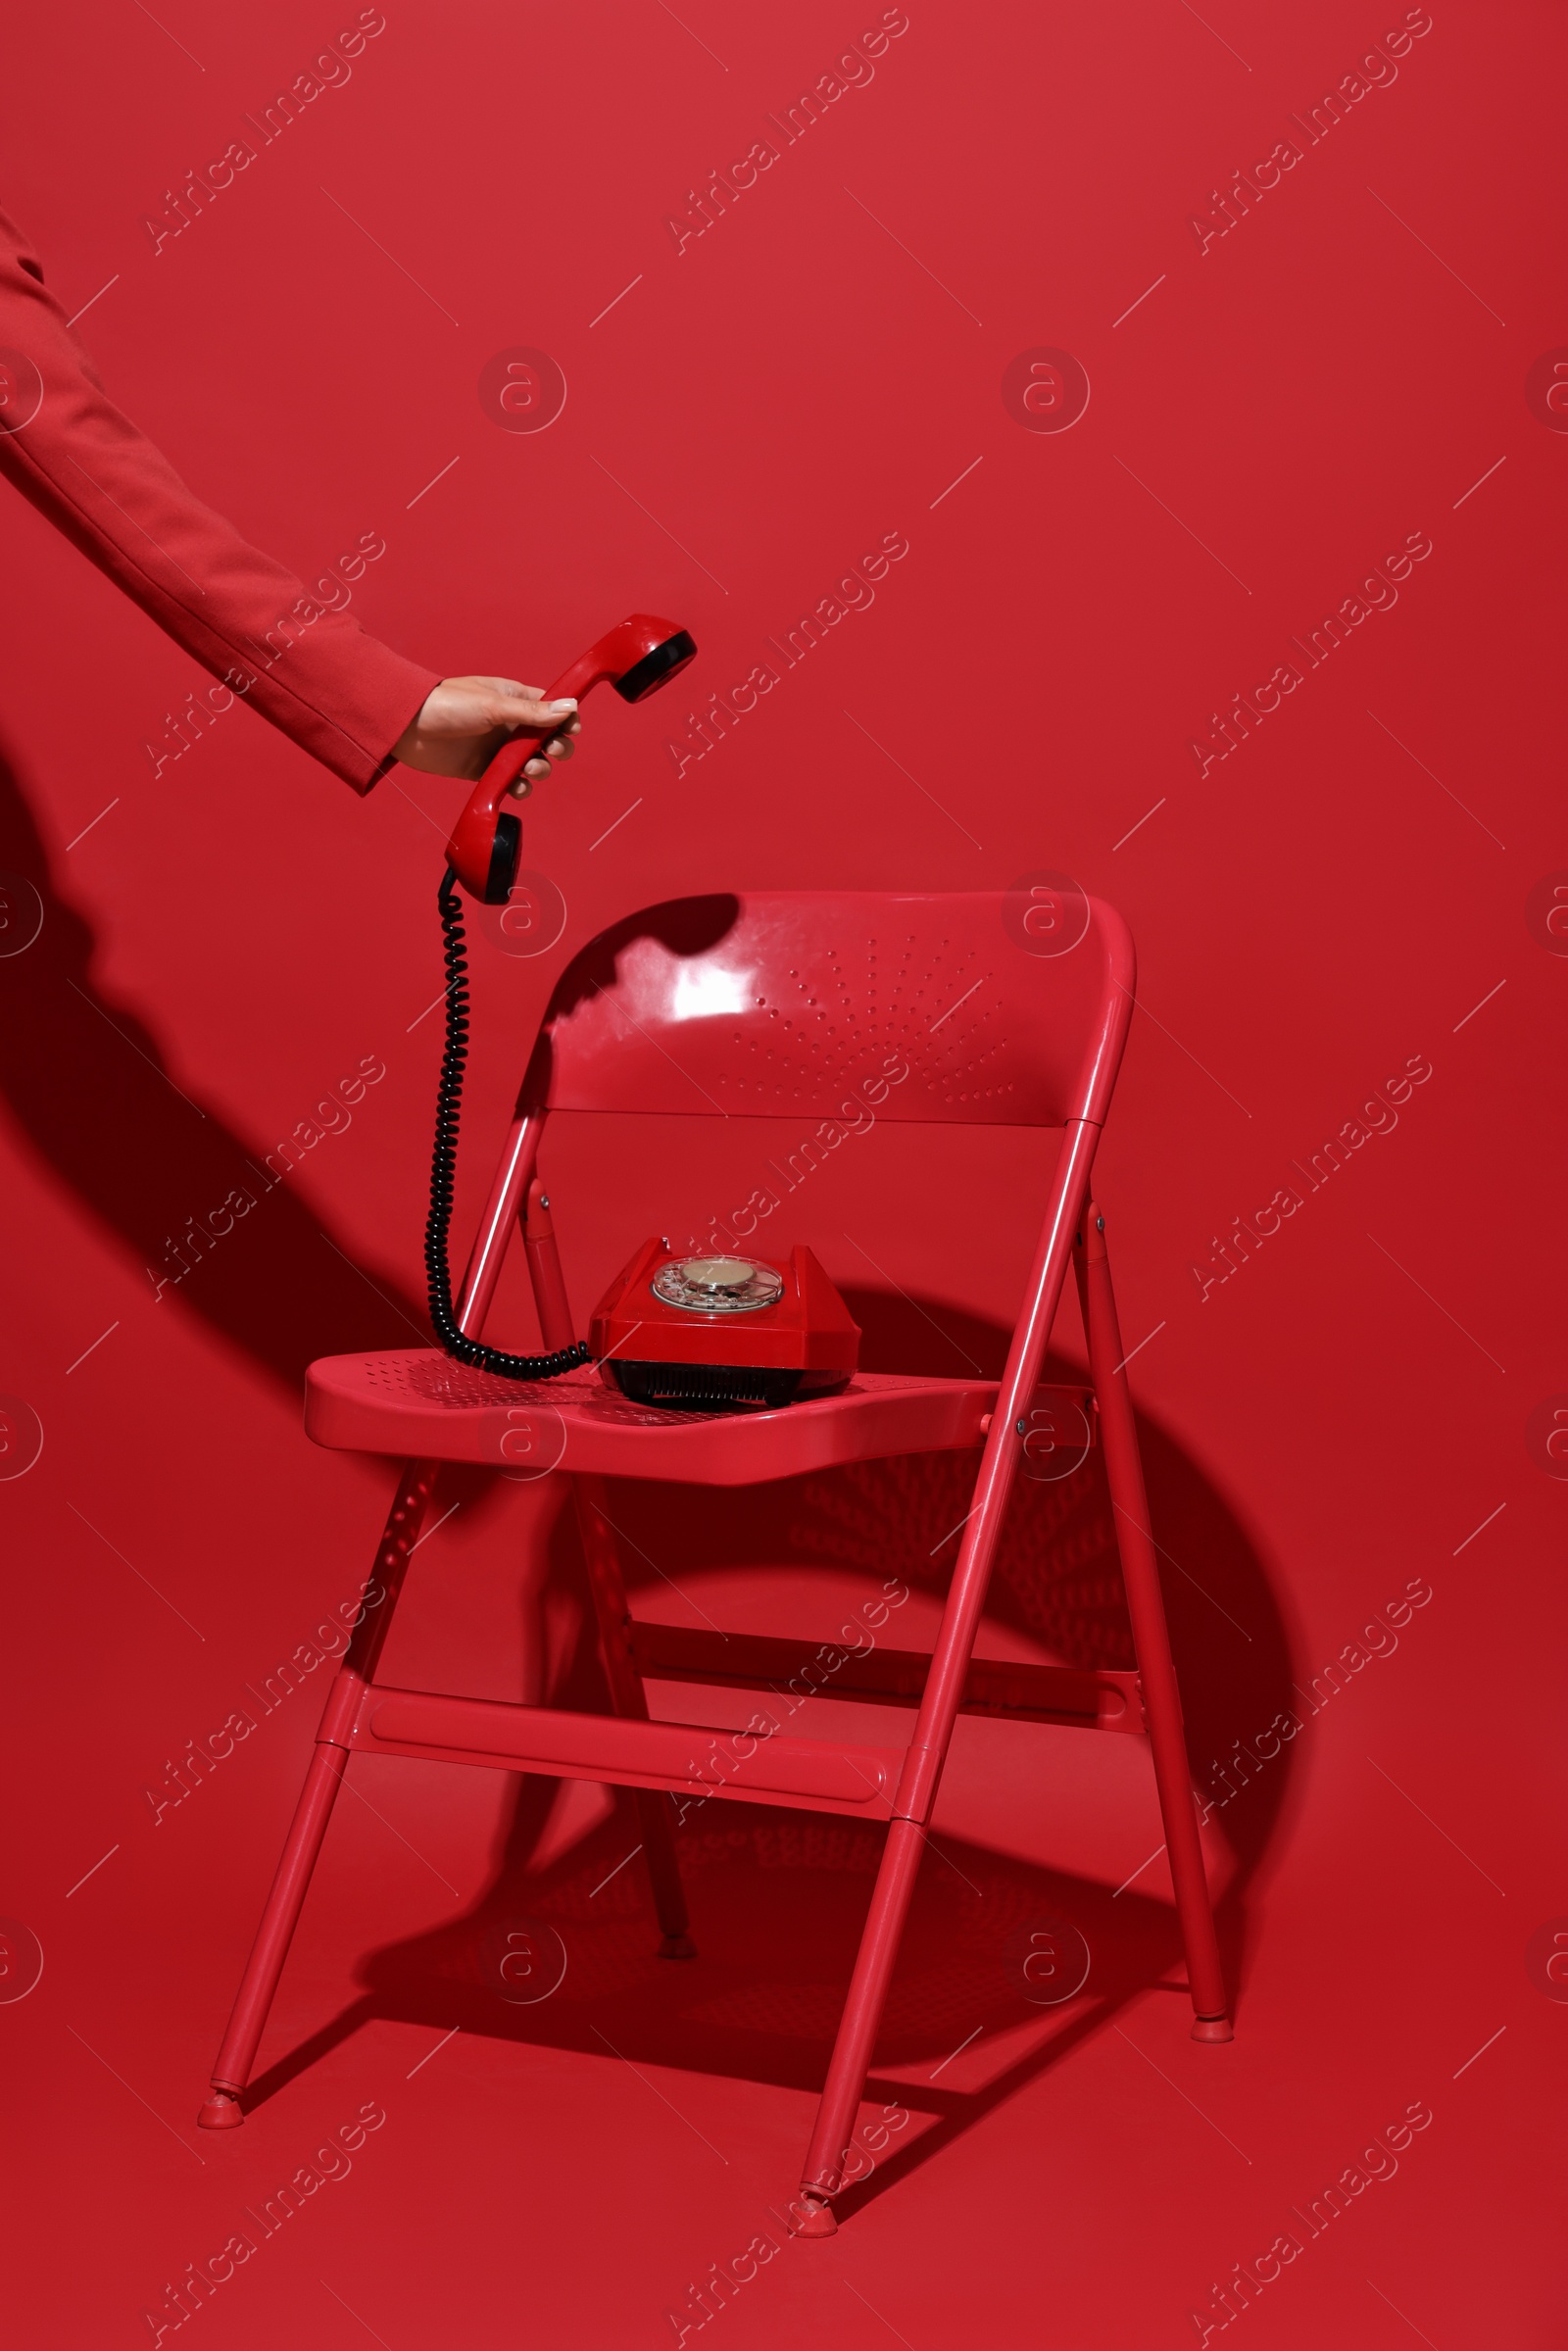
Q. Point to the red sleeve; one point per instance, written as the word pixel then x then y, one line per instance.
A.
pixel 339 694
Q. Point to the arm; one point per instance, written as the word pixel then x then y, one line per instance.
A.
pixel 350 701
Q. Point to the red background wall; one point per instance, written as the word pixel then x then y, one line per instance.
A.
pixel 1271 414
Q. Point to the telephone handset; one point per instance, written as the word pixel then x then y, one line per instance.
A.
pixel 636 658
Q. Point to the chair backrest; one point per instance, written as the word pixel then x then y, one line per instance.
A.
pixel 976 1008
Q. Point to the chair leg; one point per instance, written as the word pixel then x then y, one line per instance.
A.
pixel 630 1699
pixel 608 1588
pixel 222 2111
pixel 823 2174
pixel 1146 1606
pixel 915 1798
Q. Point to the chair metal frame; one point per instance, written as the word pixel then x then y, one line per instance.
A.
pixel 1042 1046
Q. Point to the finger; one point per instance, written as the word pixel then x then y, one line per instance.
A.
pixel 527 710
pixel 539 765
pixel 525 784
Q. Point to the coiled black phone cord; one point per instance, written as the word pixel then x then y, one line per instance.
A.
pixel 443 1167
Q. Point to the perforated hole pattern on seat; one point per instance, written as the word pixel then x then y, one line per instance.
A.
pixel 435 1379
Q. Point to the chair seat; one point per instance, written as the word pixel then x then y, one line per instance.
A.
pixel 416 1402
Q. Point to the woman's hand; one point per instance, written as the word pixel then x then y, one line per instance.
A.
pixel 464 722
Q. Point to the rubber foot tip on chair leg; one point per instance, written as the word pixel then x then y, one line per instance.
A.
pixel 677 1947
pixel 1213 2027
pixel 812 2216
pixel 222 2112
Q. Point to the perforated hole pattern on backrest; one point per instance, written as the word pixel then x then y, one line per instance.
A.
pixel 836 1004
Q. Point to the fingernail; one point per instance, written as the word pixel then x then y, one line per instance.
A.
pixel 560 705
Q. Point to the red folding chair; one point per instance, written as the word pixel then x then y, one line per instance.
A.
pixel 1001 1011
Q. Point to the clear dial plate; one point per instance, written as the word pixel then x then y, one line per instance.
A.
pixel 717 1285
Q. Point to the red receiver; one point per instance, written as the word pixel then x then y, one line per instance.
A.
pixel 636 658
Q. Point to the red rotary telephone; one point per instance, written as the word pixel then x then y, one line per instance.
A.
pixel 717 1331
pixel 637 658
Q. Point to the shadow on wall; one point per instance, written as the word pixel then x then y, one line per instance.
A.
pixel 89 1085
pixel 1059 1575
